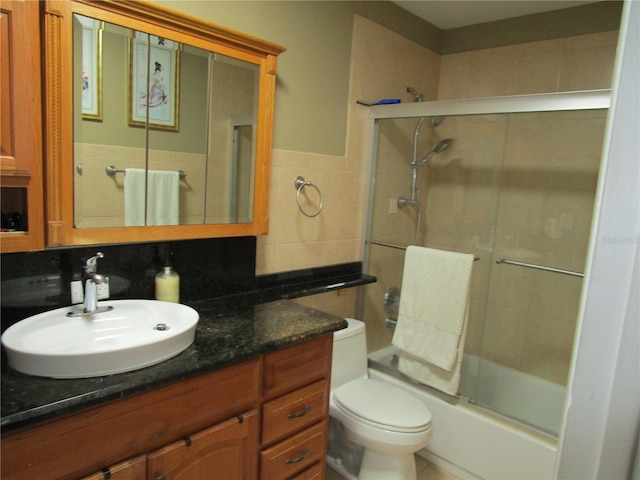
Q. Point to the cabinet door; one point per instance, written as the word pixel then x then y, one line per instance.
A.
pixel 134 469
pixel 21 127
pixel 225 451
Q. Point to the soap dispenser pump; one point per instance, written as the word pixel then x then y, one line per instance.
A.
pixel 168 284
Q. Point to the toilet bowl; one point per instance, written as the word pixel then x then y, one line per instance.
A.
pixel 387 422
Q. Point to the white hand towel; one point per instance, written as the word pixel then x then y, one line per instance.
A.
pixel 135 180
pixel 162 197
pixel 433 312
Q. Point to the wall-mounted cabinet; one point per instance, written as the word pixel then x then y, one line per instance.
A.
pixel 158 125
pixel 21 202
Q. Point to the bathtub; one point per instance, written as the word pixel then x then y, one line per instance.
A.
pixel 472 442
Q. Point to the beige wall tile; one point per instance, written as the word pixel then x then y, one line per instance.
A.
pixel 535 73
pixel 340 303
pixel 578 72
pixel 576 63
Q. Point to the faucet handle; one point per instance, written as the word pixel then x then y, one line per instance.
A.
pixel 91 264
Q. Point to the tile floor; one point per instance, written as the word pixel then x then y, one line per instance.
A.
pixel 426 471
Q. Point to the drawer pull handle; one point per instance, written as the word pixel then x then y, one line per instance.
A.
pixel 299 414
pixel 289 461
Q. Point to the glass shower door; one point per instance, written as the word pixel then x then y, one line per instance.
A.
pixel 517 191
pixel 547 190
pixel 457 197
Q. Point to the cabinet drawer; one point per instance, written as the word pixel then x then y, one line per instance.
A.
pixel 311 473
pixel 296 366
pixel 293 412
pixel 295 454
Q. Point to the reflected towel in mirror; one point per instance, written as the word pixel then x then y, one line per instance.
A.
pixel 162 197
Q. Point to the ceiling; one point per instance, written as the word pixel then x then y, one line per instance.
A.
pixel 447 14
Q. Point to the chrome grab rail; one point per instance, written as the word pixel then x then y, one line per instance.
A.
pixel 540 267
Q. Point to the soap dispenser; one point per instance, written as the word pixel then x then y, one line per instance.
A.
pixel 168 284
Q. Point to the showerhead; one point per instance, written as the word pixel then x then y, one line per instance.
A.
pixel 443 145
pixel 414 92
pixel 440 147
pixel 436 121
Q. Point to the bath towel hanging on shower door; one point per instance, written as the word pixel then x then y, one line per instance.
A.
pixel 433 313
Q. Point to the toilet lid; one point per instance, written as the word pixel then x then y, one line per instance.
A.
pixel 383 405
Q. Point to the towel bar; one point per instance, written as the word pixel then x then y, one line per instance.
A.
pixel 111 170
pixel 400 247
pixel 540 267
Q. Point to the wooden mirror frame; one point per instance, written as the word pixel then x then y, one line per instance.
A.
pixel 59 160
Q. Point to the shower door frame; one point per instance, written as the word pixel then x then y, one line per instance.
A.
pixel 554 102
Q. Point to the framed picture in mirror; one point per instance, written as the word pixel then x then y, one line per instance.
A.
pixel 154 73
pixel 91 68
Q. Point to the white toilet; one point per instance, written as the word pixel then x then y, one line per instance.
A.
pixel 376 422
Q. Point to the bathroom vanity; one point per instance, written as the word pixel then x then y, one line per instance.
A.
pixel 249 399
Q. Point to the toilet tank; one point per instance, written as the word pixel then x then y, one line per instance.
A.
pixel 349 353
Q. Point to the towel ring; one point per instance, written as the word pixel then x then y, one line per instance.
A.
pixel 299 184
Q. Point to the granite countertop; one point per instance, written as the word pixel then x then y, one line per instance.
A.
pixel 229 331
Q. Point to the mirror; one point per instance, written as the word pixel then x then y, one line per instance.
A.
pixel 172 122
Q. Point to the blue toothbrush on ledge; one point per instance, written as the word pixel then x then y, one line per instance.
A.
pixel 384 101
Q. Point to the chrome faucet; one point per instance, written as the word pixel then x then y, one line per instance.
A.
pixel 91 281
pixel 90 285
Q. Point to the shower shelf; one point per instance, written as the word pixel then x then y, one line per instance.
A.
pixel 540 267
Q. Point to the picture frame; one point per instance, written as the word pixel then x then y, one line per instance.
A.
pixel 91 68
pixel 154 72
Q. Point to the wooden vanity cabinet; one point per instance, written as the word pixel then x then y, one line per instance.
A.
pixel 265 418
pixel 104 436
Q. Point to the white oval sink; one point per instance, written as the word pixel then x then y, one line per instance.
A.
pixel 134 334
